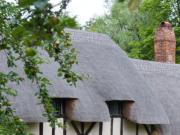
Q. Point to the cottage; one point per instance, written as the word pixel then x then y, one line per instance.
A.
pixel 121 96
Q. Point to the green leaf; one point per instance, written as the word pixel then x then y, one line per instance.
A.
pixel 10 92
pixel 134 4
pixel 30 52
pixel 18 32
pixel 26 2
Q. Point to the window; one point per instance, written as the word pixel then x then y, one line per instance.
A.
pixel 59 105
pixel 115 108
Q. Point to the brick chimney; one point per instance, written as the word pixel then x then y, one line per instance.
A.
pixel 165 43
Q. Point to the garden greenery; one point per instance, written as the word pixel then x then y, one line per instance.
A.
pixel 134 30
pixel 26 28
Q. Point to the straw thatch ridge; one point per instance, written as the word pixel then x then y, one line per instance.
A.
pixel 112 76
pixel 165 82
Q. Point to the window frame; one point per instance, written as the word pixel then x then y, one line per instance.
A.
pixel 115 108
pixel 59 105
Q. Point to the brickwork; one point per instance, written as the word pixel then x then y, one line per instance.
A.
pixel 165 43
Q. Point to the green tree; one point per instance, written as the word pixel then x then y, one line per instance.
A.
pixel 134 30
pixel 25 28
pixel 132 4
pixel 153 13
pixel 120 24
pixel 69 22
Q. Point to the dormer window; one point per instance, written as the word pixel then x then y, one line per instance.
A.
pixel 115 108
pixel 59 105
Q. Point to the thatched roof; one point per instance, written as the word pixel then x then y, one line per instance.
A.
pixel 164 79
pixel 112 76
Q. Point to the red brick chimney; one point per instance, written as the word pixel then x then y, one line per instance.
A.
pixel 165 43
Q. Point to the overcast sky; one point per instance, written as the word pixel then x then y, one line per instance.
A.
pixel 84 9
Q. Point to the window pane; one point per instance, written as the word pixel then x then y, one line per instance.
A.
pixel 115 108
pixel 59 106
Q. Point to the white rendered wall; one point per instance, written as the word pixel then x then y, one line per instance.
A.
pixel 95 130
pixel 129 128
pixel 59 131
pixel 143 131
pixel 116 126
pixel 33 128
pixel 70 130
pixel 106 128
pixel 47 130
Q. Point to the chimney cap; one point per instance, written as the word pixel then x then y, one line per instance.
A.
pixel 166 24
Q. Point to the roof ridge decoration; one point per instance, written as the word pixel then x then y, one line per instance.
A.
pixel 158 67
pixel 79 35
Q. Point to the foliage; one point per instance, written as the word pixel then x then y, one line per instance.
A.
pixel 153 13
pixel 120 24
pixel 134 31
pixel 27 28
pixel 175 13
pixel 69 22
pixel 132 4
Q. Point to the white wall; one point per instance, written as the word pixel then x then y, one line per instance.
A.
pixel 143 131
pixel 59 131
pixel 106 128
pixel 70 130
pixel 116 126
pixel 129 128
pixel 95 130
pixel 33 128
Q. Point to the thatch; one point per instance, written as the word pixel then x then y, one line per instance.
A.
pixel 165 82
pixel 112 76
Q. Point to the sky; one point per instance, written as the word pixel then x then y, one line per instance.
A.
pixel 84 9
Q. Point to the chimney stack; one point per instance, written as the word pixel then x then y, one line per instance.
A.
pixel 165 43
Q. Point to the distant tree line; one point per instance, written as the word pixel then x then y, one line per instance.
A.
pixel 133 29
